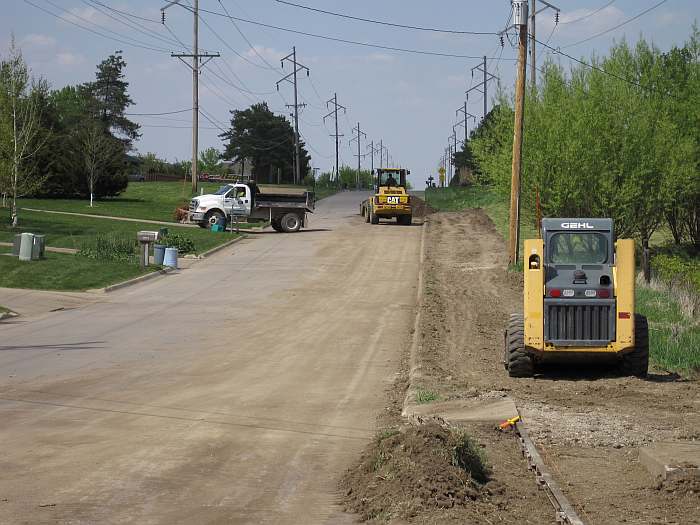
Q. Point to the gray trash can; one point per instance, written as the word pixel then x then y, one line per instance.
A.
pixel 158 254
pixel 15 244
pixel 26 247
pixel 39 247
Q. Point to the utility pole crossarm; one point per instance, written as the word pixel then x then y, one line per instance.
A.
pixel 196 66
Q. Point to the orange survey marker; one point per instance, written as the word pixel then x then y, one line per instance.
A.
pixel 509 423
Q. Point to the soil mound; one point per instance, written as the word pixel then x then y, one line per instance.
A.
pixel 418 469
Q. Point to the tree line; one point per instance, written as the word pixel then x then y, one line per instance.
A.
pixel 70 142
pixel 619 139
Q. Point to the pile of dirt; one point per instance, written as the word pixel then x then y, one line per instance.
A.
pixel 420 207
pixel 406 472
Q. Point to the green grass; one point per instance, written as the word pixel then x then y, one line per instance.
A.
pixel 496 206
pixel 674 337
pixel 60 271
pixel 66 231
pixel 426 396
pixel 151 201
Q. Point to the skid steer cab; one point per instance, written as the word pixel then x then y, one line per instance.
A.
pixel 578 301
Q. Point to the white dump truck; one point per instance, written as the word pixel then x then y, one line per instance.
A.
pixel 284 208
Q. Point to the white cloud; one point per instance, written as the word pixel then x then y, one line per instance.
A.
pixel 270 54
pixel 70 59
pixel 380 57
pixel 38 40
pixel 80 15
pixel 593 23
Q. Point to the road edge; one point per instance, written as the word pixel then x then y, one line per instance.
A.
pixel 414 368
pixel 164 271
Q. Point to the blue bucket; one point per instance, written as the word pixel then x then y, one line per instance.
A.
pixel 158 254
pixel 170 258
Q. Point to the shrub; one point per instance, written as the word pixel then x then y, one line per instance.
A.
pixel 677 268
pixel 110 246
pixel 183 244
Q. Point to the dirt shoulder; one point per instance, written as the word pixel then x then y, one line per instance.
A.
pixel 588 423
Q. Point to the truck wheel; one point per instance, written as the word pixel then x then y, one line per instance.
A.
pixel 373 217
pixel 276 225
pixel 518 362
pixel 203 224
pixel 636 362
pixel 215 217
pixel 290 223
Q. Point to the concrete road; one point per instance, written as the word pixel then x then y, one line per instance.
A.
pixel 236 391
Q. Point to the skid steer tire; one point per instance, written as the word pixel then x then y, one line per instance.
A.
pixel 636 362
pixel 404 220
pixel 373 217
pixel 365 212
pixel 518 362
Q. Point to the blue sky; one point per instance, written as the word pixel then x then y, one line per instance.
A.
pixel 407 100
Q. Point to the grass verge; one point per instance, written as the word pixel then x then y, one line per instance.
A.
pixel 67 231
pixel 64 272
pixel 674 341
pixel 151 201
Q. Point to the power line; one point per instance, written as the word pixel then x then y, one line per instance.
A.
pixel 269 66
pixel 156 114
pixel 385 23
pixel 239 55
pixel 120 40
pixel 74 15
pixel 341 40
pixel 601 70
pixel 130 24
pixel 617 26
pixel 126 13
pixel 589 14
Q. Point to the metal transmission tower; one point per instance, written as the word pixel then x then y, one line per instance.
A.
pixel 382 149
pixel 520 22
pixel 533 44
pixel 465 120
pixel 334 112
pixel 292 57
pixel 358 134
pixel 196 66
pixel 372 151
pixel 482 87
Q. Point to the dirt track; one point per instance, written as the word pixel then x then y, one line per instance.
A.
pixel 588 423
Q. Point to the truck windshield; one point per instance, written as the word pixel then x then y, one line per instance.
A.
pixel 578 248
pixel 222 190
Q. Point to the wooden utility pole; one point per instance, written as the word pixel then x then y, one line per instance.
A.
pixel 533 36
pixel 195 67
pixel 519 21
pixel 533 44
